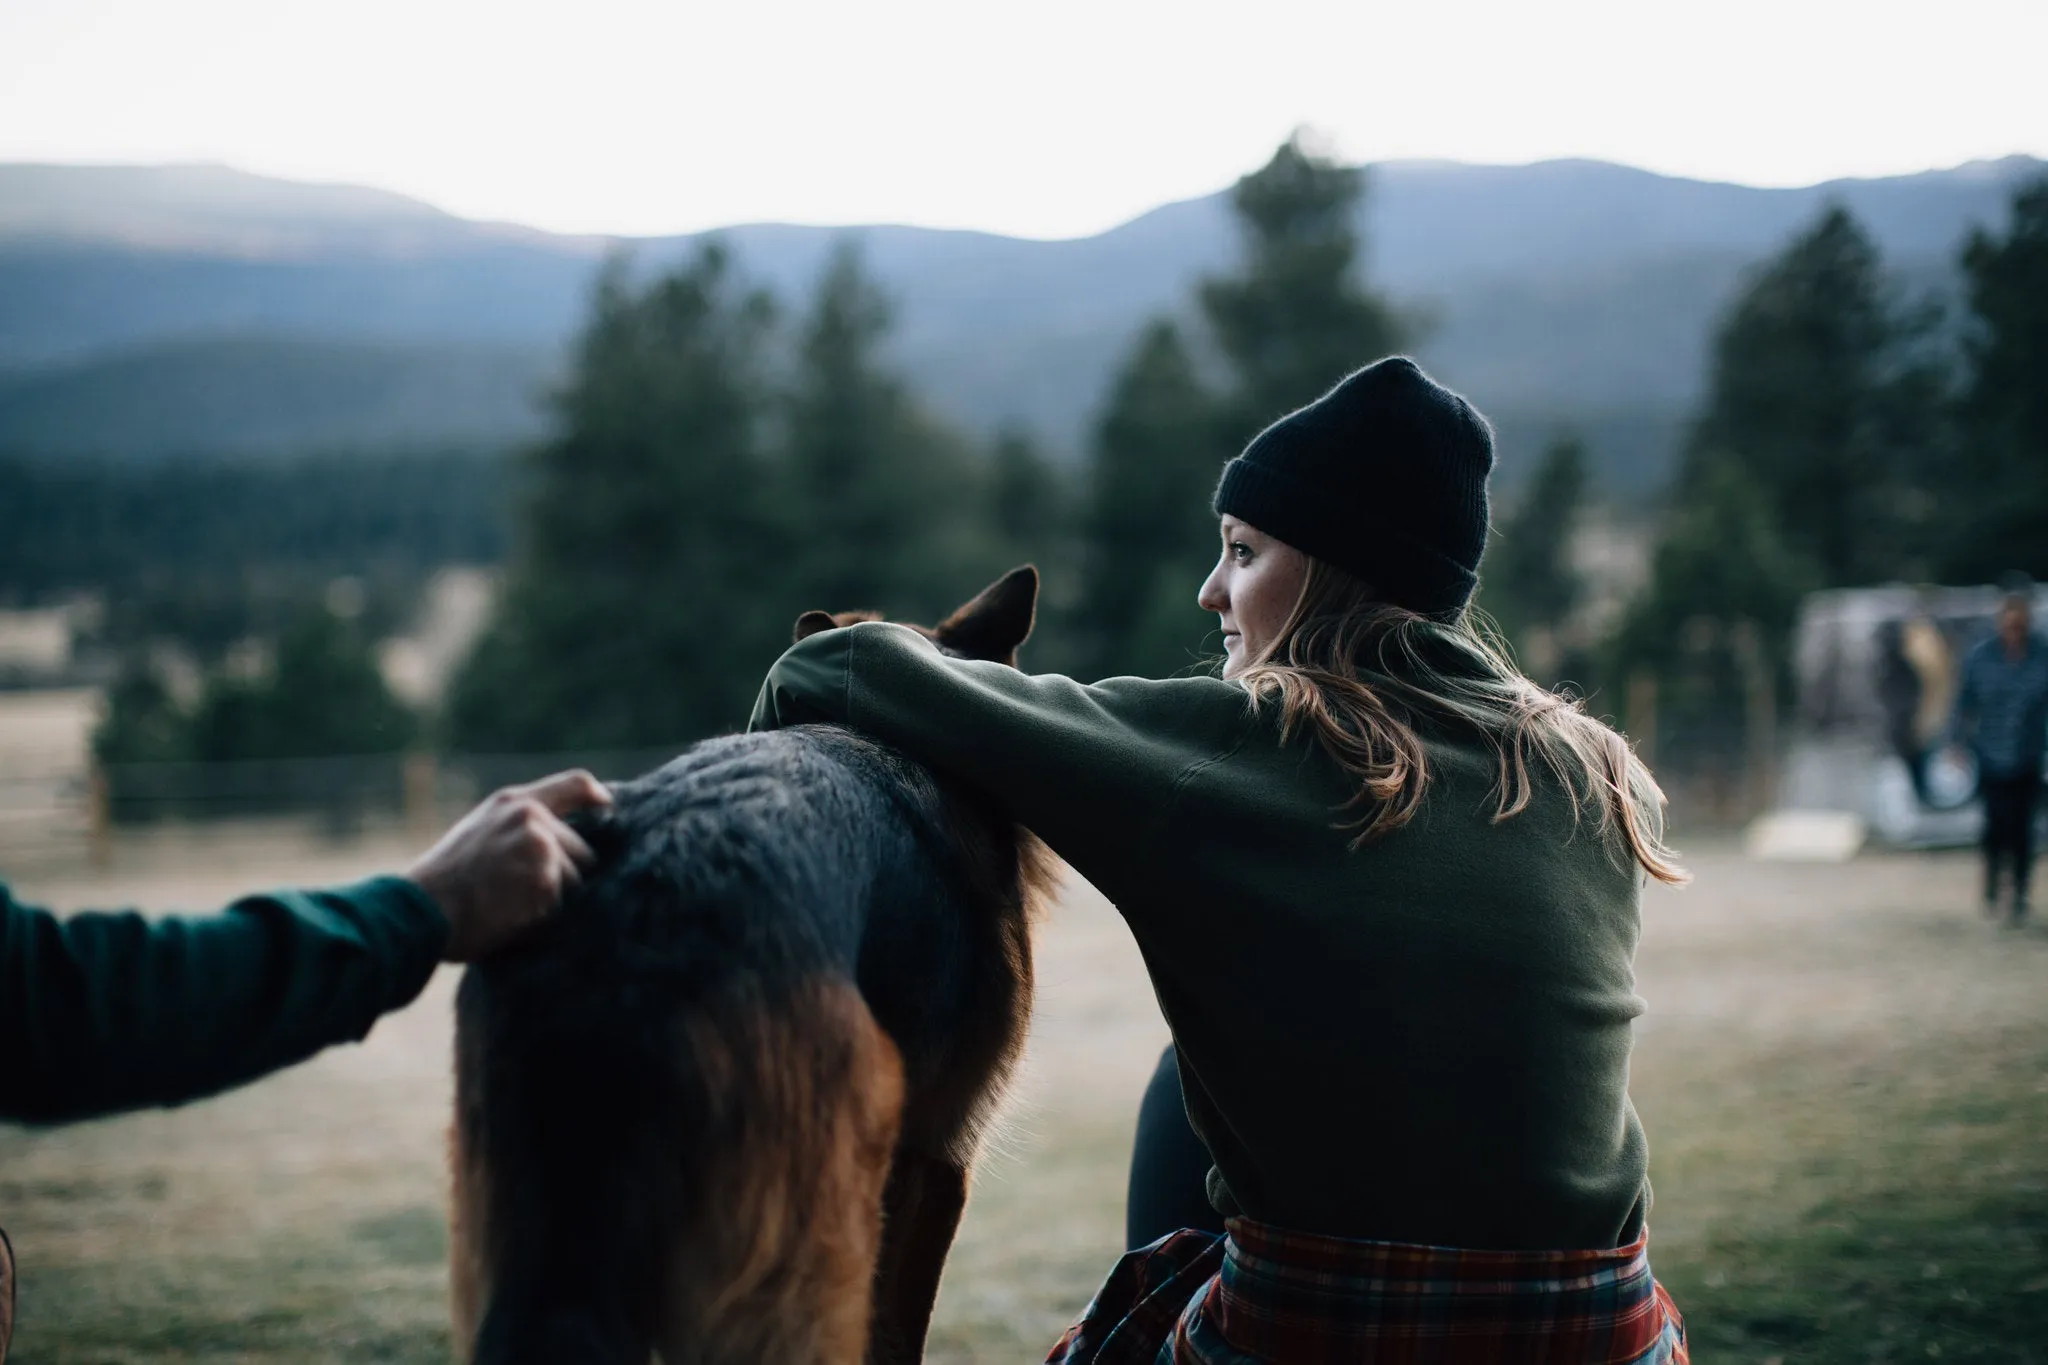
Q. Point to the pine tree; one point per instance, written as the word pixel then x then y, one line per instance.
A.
pixel 1293 320
pixel 323 696
pixel 143 721
pixel 881 503
pixel 1297 316
pixel 1722 567
pixel 641 606
pixel 1997 502
pixel 1529 584
pixel 1027 501
pixel 1722 558
pixel 1149 533
pixel 1821 398
pixel 1803 468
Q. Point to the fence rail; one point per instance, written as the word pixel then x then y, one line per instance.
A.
pixel 80 818
pixel 84 818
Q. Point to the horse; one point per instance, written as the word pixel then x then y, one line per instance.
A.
pixel 724 1106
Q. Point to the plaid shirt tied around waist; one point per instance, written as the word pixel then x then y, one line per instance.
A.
pixel 1267 1296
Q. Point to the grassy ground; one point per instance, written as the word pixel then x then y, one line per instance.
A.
pixel 1844 1075
pixel 1845 1079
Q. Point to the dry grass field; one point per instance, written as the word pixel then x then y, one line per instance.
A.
pixel 1844 1074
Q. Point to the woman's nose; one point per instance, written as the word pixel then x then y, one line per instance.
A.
pixel 1212 597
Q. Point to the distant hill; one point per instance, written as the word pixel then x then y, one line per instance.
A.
pixel 1563 293
pixel 207 208
pixel 243 395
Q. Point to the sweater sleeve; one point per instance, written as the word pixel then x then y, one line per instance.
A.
pixel 1092 769
pixel 109 1011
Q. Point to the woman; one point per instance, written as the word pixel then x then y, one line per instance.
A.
pixel 1387 891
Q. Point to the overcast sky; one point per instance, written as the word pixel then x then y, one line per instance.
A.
pixel 1034 117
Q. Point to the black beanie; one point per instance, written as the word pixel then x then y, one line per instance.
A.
pixel 1384 476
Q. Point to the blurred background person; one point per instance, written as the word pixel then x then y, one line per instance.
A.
pixel 2002 718
pixel 1917 687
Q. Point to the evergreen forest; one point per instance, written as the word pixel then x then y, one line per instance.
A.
pixel 720 458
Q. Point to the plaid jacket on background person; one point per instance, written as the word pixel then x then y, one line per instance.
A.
pixel 1264 1296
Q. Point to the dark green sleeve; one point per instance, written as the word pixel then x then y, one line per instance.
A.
pixel 1092 769
pixel 104 1012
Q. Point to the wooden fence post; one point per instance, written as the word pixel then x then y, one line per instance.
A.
pixel 422 795
pixel 1641 701
pixel 1759 713
pixel 99 820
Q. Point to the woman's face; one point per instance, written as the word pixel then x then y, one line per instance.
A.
pixel 1253 589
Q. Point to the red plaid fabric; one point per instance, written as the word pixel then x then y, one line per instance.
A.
pixel 1265 1296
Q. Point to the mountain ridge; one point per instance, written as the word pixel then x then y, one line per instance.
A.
pixel 1566 292
pixel 47 199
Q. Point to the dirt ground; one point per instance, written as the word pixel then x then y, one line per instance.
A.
pixel 1822 1043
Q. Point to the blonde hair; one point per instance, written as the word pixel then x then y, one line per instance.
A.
pixel 1446 671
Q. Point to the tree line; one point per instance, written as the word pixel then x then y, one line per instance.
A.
pixel 1851 434
pixel 690 505
pixel 718 464
pixel 210 551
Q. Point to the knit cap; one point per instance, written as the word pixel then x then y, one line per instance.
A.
pixel 1383 476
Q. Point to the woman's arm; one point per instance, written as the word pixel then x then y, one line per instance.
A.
pixel 1091 769
pixel 102 1012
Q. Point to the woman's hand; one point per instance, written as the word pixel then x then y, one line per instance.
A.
pixel 505 865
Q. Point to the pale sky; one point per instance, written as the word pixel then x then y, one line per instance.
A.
pixel 1049 118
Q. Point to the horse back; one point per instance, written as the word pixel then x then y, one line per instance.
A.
pixel 798 952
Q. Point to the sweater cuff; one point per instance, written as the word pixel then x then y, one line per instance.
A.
pixel 411 922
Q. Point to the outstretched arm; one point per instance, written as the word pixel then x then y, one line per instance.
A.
pixel 1092 769
pixel 103 1012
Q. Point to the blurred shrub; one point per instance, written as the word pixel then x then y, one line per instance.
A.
pixel 322 697
pixel 244 745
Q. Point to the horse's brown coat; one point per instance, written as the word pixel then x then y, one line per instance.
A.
pixel 6 1293
pixel 830 1168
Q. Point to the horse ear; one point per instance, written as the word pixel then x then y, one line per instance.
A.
pixel 811 622
pixel 997 621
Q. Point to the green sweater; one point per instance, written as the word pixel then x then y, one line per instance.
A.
pixel 1424 1040
pixel 104 1012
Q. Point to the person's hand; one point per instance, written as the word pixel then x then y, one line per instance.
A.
pixel 505 865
